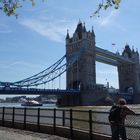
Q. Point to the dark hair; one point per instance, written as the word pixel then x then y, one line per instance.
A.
pixel 122 101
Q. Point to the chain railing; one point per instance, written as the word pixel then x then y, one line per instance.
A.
pixel 83 120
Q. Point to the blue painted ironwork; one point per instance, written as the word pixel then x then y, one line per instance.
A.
pixel 36 91
pixel 58 68
pixel 46 75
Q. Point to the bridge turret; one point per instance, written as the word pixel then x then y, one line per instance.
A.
pixel 135 56
pixel 82 73
pixel 129 74
pixel 127 53
pixel 81 33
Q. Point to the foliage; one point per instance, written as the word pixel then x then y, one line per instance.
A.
pixel 105 4
pixel 9 6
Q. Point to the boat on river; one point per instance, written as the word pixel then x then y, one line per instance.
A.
pixel 30 103
pixel 50 101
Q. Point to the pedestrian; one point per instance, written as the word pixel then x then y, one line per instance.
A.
pixel 117 118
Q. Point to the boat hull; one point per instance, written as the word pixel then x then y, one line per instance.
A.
pixel 28 104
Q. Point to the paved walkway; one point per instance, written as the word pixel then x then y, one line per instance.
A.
pixel 17 134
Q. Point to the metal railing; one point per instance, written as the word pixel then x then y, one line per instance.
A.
pixel 84 120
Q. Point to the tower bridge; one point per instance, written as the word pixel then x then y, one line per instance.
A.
pixel 79 63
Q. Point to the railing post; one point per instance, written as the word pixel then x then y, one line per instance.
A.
pixel 13 117
pixel 3 113
pixel 63 116
pixel 38 119
pixel 25 118
pixel 54 120
pixel 71 123
pixel 90 124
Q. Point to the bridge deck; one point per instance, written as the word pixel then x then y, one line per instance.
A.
pixel 112 56
pixel 33 91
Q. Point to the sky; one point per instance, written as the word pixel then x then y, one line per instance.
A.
pixel 36 39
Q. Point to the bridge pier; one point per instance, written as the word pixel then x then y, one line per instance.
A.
pixel 85 98
pixel 69 100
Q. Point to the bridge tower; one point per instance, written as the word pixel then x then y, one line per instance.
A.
pixel 82 73
pixel 129 74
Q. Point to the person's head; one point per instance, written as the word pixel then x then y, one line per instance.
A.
pixel 122 101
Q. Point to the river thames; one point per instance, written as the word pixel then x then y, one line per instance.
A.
pixel 135 107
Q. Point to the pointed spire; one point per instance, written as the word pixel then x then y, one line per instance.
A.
pixel 92 28
pixel 127 47
pixel 133 49
pixel 79 29
pixel 117 52
pixel 137 52
pixel 79 21
pixel 137 49
pixel 93 31
pixel 126 44
pixel 127 51
pixel 67 37
pixel 84 28
pixel 84 24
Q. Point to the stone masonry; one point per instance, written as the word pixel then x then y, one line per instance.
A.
pixel 129 74
pixel 82 74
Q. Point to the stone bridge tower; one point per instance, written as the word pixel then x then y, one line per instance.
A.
pixel 82 74
pixel 129 74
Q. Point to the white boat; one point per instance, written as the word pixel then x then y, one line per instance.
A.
pixel 30 103
pixel 51 101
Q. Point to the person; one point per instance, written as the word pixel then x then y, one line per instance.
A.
pixel 118 127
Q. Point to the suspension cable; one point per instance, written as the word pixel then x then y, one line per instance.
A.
pixel 45 76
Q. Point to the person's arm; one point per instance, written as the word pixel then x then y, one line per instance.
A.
pixel 129 111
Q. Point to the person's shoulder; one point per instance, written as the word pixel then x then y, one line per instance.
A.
pixel 127 109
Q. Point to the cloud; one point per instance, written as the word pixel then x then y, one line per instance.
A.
pixel 54 30
pixel 19 64
pixel 108 20
pixel 4 28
